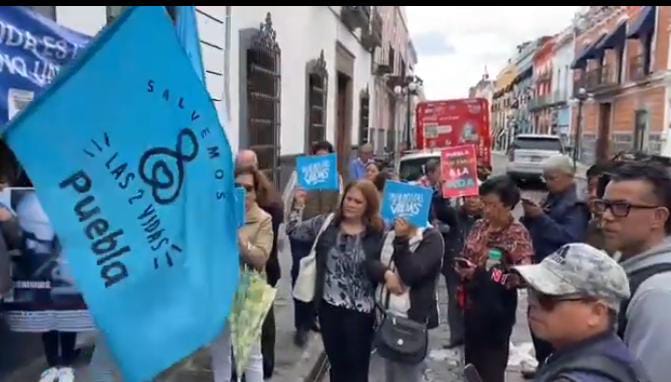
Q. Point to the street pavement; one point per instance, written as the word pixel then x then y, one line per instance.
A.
pixel 22 358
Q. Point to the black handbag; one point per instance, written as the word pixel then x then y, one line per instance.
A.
pixel 400 339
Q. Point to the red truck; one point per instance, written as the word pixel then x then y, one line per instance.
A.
pixel 455 122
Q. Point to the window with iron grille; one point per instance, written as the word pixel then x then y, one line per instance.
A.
pixel 364 124
pixel 263 98
pixel 317 90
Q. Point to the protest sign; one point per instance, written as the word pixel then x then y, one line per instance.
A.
pixel 318 172
pixel 459 167
pixel 406 201
pixel 43 296
pixel 32 51
pixel 136 174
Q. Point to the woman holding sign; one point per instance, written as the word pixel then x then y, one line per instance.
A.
pixel 343 292
pixel 495 244
pixel 407 272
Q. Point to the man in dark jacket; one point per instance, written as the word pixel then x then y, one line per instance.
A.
pixel 444 218
pixel 562 219
pixel 574 298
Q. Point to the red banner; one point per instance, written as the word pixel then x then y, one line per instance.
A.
pixel 459 167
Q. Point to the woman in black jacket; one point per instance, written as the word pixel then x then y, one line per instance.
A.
pixel 407 271
pixel 343 292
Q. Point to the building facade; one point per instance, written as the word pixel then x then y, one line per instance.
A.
pixel 393 62
pixel 502 120
pixel 541 103
pixel 622 62
pixel 562 85
pixel 284 77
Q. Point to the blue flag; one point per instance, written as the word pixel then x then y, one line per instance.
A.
pixel 32 51
pixel 135 172
pixel 401 200
pixel 240 213
pixel 187 32
pixel 318 172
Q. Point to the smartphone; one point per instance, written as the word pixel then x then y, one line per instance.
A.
pixel 463 262
pixel 471 373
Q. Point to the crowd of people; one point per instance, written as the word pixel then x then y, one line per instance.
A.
pixel 597 270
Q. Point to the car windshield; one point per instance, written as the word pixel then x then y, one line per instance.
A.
pixel 413 169
pixel 548 144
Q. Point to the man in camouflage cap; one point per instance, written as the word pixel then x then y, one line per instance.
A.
pixel 574 297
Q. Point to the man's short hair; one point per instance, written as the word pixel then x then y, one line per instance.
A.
pixel 596 170
pixel 654 174
pixel 560 163
pixel 367 148
pixel 432 166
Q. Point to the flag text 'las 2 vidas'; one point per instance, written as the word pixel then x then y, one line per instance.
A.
pixel 133 168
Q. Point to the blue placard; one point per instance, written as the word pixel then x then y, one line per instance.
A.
pixel 318 172
pixel 32 50
pixel 240 213
pixel 406 201
pixel 136 174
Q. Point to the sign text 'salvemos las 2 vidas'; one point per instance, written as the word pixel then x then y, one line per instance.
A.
pixel 136 174
pixel 162 170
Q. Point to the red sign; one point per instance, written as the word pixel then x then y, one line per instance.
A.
pixel 459 167
pixel 449 123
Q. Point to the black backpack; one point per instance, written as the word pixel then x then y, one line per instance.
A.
pixel 635 280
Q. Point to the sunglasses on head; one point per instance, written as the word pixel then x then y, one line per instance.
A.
pixel 549 302
pixel 247 187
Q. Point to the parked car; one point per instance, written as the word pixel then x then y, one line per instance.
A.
pixel 413 166
pixel 527 153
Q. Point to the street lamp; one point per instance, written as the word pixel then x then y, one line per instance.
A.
pixel 581 96
pixel 409 87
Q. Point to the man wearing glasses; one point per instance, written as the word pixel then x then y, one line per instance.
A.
pixel 635 218
pixel 574 298
pixel 563 218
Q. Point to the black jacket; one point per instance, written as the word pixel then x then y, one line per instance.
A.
pixel 598 359
pixel 446 220
pixel 372 242
pixel 273 270
pixel 419 271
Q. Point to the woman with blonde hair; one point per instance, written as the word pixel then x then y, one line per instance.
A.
pixel 344 294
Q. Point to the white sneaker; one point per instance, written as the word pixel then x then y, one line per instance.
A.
pixel 49 375
pixel 66 374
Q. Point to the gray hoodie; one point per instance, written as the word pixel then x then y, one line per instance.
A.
pixel 648 332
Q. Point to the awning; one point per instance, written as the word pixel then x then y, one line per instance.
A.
pixel 615 39
pixel 588 53
pixel 644 24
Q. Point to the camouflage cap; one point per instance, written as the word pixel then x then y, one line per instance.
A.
pixel 579 269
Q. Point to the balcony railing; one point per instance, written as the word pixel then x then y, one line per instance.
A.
pixel 637 68
pixel 372 37
pixel 355 16
pixel 592 78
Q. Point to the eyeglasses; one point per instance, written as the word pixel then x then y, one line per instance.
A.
pixel 619 208
pixel 247 187
pixel 549 302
